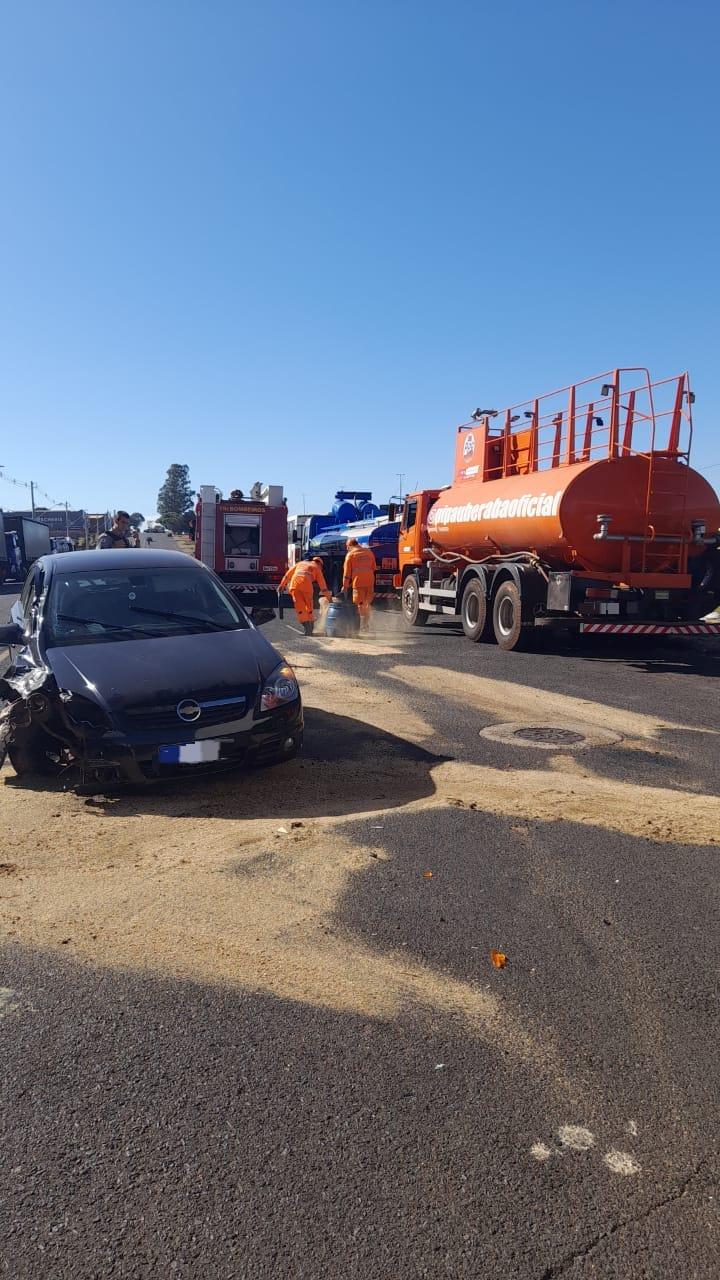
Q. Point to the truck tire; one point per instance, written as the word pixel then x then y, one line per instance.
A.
pixel 473 611
pixel 410 600
pixel 507 617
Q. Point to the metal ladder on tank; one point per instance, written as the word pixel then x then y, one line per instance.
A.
pixel 667 557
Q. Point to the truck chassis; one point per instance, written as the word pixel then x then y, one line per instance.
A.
pixel 506 598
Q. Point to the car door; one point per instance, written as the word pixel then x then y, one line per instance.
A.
pixel 21 611
pixel 25 612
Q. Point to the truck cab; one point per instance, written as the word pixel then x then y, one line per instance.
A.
pixel 412 540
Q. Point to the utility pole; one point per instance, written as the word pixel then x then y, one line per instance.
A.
pixel 401 477
pixel 303 498
pixel 32 498
pixel 67 527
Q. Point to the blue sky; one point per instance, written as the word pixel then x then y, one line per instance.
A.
pixel 299 242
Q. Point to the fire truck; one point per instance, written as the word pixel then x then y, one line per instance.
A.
pixel 576 510
pixel 245 541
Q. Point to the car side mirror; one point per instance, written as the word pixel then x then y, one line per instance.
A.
pixel 261 616
pixel 11 634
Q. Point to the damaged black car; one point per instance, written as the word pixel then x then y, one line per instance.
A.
pixel 135 666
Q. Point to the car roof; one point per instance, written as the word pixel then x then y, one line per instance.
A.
pixel 129 558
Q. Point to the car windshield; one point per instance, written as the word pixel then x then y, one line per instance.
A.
pixel 129 604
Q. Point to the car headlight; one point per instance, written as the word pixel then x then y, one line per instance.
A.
pixel 280 688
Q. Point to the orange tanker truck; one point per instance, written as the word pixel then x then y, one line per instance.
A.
pixel 577 509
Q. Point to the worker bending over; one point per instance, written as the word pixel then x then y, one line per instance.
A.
pixel 300 580
pixel 359 573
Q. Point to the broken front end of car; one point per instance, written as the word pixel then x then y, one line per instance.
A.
pixel 52 732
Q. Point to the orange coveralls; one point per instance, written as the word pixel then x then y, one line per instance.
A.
pixel 299 581
pixel 359 571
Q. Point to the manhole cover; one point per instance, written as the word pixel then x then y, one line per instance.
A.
pixel 570 736
pixel 542 734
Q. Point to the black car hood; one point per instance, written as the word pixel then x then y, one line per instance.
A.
pixel 165 669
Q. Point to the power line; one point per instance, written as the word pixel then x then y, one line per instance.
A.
pixel 31 486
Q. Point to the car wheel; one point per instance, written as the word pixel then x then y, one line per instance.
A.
pixel 412 613
pixel 28 753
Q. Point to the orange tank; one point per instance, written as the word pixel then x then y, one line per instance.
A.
pixel 542 489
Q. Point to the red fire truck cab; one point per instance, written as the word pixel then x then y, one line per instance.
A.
pixel 245 540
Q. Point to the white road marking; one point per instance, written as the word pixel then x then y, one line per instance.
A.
pixel 575 1138
pixel 621 1162
pixel 540 1151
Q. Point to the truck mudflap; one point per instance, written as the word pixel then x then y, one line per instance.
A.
pixel 651 628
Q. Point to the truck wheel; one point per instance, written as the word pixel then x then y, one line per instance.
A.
pixel 412 613
pixel 473 611
pixel 507 617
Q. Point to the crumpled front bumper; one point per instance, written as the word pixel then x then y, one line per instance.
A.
pixel 116 759
pixel 112 757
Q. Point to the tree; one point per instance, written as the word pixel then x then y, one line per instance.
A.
pixel 136 519
pixel 175 499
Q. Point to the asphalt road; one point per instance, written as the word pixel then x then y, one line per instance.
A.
pixel 159 541
pixel 157 1127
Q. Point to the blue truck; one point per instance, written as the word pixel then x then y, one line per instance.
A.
pixel 353 515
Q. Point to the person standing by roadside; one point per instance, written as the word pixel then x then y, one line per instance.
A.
pixel 118 537
pixel 300 580
pixel 359 574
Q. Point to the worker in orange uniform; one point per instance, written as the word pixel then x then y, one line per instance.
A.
pixel 359 573
pixel 300 580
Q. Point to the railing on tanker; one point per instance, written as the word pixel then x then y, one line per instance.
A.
pixel 613 415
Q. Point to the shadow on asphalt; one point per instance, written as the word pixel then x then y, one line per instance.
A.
pixel 195 1129
pixel 641 653
pixel 347 767
pixel 177 1128
pixel 612 944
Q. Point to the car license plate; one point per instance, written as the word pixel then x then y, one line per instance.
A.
pixel 191 752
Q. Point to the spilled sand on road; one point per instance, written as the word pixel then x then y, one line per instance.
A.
pixel 501 700
pixel 549 795
pixel 369 702
pixel 213 881
pixel 218 897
